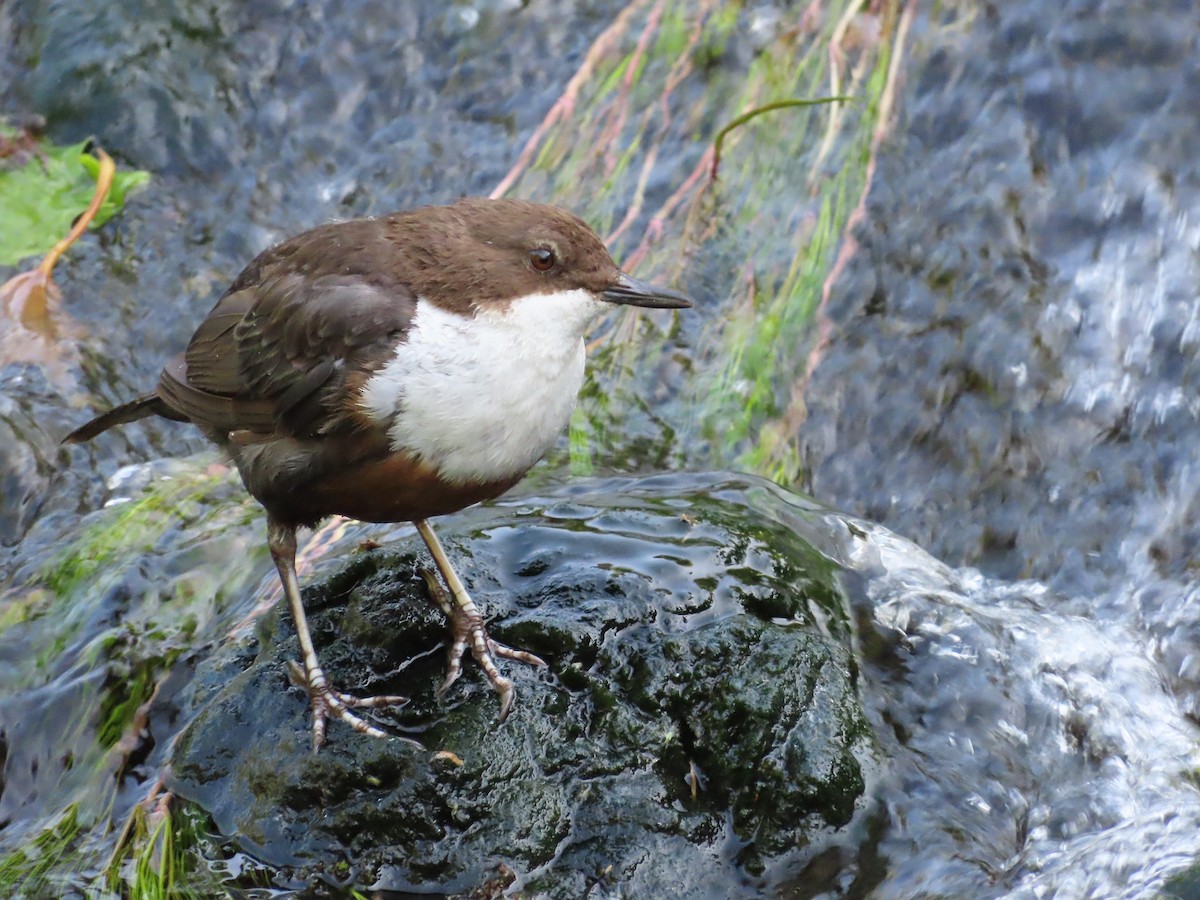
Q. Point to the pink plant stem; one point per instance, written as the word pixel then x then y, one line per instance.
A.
pixel 620 110
pixel 566 103
pixel 679 71
pixel 797 409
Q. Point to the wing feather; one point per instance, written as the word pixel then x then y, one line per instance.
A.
pixel 304 320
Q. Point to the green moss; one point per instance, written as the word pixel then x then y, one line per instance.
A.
pixel 131 687
pixel 580 446
pixel 131 529
pixel 116 609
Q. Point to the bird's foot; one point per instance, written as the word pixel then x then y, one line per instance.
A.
pixel 468 630
pixel 330 704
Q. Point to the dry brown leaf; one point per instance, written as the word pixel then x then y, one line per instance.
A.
pixel 33 326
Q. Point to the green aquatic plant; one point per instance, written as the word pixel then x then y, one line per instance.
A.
pixel 25 872
pixel 762 239
pixel 160 854
pixel 792 103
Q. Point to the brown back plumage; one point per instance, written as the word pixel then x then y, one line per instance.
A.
pixel 310 319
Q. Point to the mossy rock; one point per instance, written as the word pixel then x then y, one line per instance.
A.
pixel 692 635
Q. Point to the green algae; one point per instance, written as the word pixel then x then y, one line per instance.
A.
pixel 161 571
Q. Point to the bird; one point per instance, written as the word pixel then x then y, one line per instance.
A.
pixel 395 369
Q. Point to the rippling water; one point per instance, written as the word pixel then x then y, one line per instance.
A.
pixel 1011 384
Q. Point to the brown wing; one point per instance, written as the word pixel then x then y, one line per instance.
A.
pixel 306 320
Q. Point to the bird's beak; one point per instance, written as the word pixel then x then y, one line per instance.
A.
pixel 633 292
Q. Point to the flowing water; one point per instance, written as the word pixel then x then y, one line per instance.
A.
pixel 1008 387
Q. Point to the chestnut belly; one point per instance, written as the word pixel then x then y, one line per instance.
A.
pixel 391 487
pixel 400 489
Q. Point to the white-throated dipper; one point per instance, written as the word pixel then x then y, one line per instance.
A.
pixel 395 369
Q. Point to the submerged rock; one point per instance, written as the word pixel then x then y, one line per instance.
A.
pixel 697 731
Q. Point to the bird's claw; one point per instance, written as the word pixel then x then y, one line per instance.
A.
pixel 330 704
pixel 468 630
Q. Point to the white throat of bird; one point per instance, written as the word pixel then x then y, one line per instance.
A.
pixel 484 398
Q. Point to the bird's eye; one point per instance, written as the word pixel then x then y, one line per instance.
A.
pixel 542 259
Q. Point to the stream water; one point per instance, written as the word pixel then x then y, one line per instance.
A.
pixel 1006 408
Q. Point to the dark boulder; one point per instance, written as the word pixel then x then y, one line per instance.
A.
pixel 693 635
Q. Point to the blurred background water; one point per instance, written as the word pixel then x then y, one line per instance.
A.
pixel 962 310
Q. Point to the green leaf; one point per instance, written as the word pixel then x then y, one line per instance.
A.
pixel 123 184
pixel 42 198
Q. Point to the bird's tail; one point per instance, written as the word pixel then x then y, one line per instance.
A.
pixel 146 405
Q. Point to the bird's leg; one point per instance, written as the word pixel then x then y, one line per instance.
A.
pixel 467 626
pixel 326 702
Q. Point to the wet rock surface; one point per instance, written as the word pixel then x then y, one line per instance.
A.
pixel 690 634
pixel 1012 386
pixel 1010 382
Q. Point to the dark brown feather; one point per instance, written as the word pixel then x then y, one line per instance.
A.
pixel 146 405
pixel 217 414
pixel 275 353
pixel 275 372
pixel 211 363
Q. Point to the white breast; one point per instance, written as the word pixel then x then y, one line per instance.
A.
pixel 484 398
